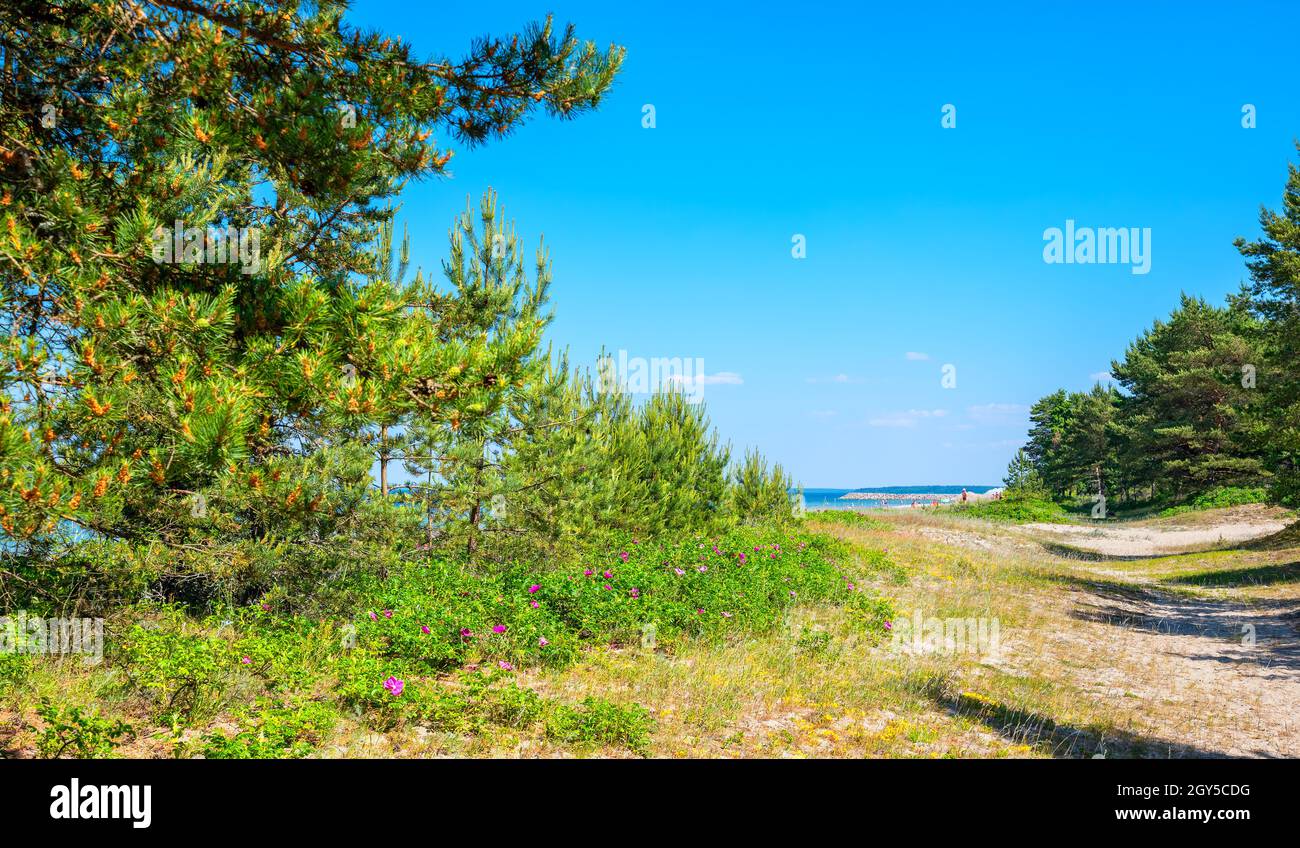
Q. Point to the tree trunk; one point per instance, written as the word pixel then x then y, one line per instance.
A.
pixel 383 460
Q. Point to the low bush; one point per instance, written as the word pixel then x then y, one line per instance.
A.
pixel 601 722
pixel 273 730
pixel 81 733
pixel 1218 498
pixel 1016 510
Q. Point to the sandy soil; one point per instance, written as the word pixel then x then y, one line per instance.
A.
pixel 1156 540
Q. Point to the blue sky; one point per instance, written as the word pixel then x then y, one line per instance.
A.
pixel 776 119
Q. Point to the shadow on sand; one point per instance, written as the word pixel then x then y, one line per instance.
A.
pixel 1065 741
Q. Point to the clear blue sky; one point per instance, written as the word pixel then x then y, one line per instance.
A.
pixel 777 119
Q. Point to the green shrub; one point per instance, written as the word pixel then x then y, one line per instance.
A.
pixel 82 733
pixel 183 676
pixel 1016 510
pixel 14 670
pixel 814 642
pixel 846 518
pixel 273 730
pixel 602 722
pixel 440 615
pixel 1219 498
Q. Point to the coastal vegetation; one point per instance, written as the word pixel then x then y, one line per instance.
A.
pixel 295 500
pixel 201 454
pixel 1204 408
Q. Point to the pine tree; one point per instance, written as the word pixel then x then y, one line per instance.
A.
pixel 489 326
pixel 1185 412
pixel 1022 479
pixel 149 371
pixel 1274 296
pixel 758 494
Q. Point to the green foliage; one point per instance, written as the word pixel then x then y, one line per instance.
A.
pixel 1023 479
pixel 602 722
pixel 757 495
pixel 743 581
pixel 1224 496
pixel 847 518
pixel 1184 423
pixel 1013 509
pixel 272 730
pixel 813 641
pixel 182 675
pixel 141 384
pixel 14 669
pixel 79 732
pixel 1273 297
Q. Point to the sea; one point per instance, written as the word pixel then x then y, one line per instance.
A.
pixel 891 496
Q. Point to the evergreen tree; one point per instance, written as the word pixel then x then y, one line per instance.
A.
pixel 152 373
pixel 490 323
pixel 1022 478
pixel 1050 419
pixel 1185 414
pixel 758 494
pixel 1274 296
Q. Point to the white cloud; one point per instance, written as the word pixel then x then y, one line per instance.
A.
pixel 722 378
pixel 838 378
pixel 917 357
pixel 823 413
pixel 997 413
pixel 1101 377
pixel 906 419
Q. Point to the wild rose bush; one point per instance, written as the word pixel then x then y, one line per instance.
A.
pixel 742 582
pixel 443 645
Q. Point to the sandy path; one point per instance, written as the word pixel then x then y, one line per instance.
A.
pixel 1154 541
pixel 1190 674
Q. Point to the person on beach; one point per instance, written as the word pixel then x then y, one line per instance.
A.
pixel 963 496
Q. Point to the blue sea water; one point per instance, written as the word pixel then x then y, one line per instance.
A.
pixel 833 498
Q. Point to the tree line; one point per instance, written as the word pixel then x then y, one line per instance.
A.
pixel 1207 399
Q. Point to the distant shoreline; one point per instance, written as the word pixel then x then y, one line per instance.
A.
pixel 904 496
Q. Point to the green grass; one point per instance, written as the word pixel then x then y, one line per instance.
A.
pixel 1012 510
